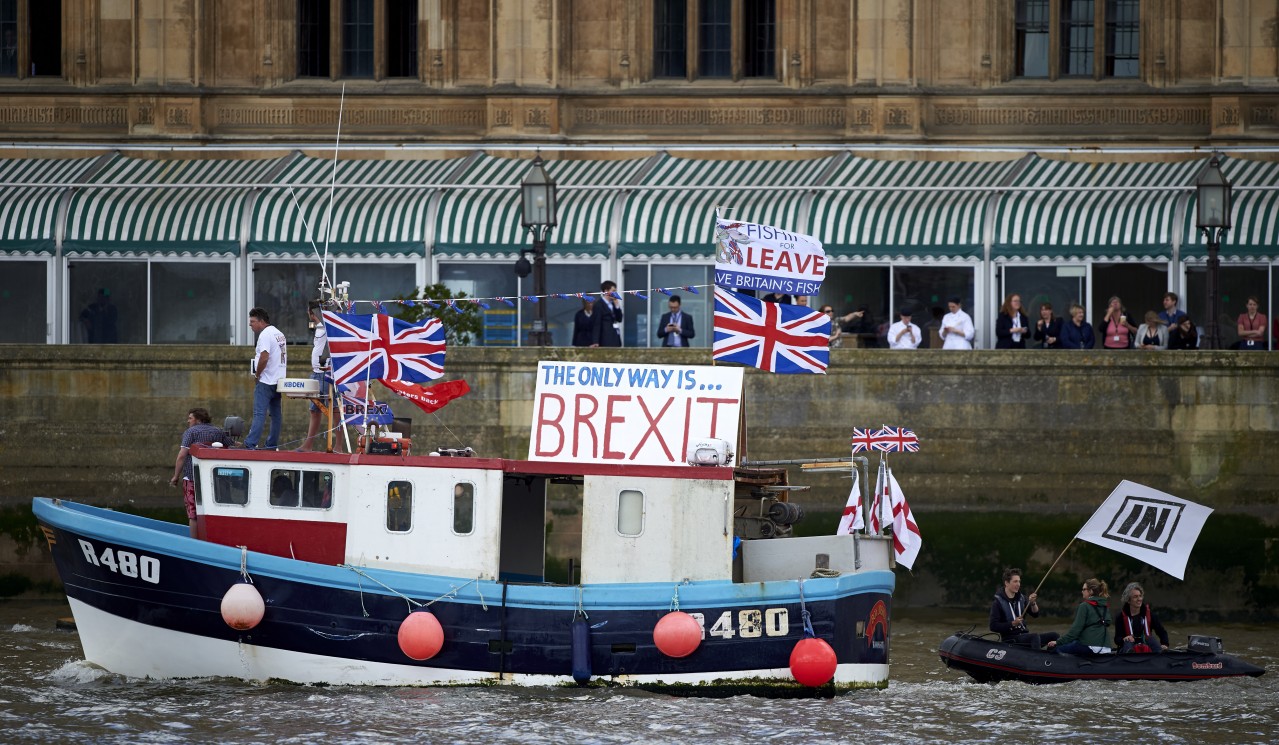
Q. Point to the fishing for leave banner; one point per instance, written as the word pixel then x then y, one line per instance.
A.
pixel 588 412
pixel 767 259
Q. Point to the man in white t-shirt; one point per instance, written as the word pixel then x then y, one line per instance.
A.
pixel 270 358
pixel 904 334
pixel 319 369
pixel 957 329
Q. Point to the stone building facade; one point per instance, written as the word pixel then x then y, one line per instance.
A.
pixel 636 71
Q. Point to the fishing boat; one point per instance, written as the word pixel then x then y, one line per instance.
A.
pixel 989 660
pixel 392 566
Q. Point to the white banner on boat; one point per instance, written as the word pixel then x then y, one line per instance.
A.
pixel 588 412
pixel 767 259
pixel 1148 525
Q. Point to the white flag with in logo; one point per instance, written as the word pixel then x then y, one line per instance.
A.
pixel 1148 525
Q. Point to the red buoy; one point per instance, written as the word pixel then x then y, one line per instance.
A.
pixel 677 634
pixel 812 662
pixel 421 635
pixel 242 606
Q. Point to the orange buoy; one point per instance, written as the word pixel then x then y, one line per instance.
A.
pixel 677 634
pixel 812 662
pixel 421 635
pixel 242 606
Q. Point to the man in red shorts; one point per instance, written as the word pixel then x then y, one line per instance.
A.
pixel 198 430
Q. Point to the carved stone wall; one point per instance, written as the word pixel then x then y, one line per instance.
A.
pixel 910 70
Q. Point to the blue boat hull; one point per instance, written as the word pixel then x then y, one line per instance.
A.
pixel 146 582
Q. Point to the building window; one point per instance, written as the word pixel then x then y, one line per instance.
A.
pixel 401 38
pixel 30 38
pixel 363 38
pixel 463 508
pixel 313 38
pixel 731 39
pixel 399 506
pixel 1092 38
pixel 24 299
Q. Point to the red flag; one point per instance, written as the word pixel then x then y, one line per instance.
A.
pixel 429 398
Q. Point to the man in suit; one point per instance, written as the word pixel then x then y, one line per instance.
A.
pixel 607 318
pixel 676 327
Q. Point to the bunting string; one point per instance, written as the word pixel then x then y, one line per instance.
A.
pixel 486 303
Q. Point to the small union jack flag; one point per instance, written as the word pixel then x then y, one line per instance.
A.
pixel 770 336
pixel 378 306
pixel 863 440
pixel 895 440
pixel 380 347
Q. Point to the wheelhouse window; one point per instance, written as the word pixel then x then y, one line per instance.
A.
pixel 374 39
pixel 630 512
pixel 1092 38
pixel 399 506
pixel 230 485
pixel 298 488
pixel 463 508
pixel 731 39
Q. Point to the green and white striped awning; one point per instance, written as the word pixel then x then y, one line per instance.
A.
pixel 1254 214
pixel 1099 216
pixel 680 222
pixel 940 215
pixel 28 214
pixel 365 221
pixel 486 222
pixel 197 220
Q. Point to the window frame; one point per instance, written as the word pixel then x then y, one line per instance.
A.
pixel 24 41
pixel 693 44
pixel 386 523
pixel 1103 45
pixel 248 485
pixel 381 43
pixel 453 508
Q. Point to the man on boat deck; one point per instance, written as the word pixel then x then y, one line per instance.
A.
pixel 1008 613
pixel 270 358
pixel 198 430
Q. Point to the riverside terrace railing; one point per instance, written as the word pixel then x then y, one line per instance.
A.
pixel 863 209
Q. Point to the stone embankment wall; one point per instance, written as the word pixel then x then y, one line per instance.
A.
pixel 1000 430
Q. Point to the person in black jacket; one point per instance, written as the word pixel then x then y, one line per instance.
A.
pixel 583 326
pixel 1009 610
pixel 676 327
pixel 1048 328
pixel 1011 326
pixel 1135 623
pixel 607 318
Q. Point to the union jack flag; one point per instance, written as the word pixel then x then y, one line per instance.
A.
pixel 379 347
pixel 379 306
pixel 895 440
pixel 863 440
pixel 770 336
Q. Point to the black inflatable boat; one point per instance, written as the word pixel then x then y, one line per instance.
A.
pixel 990 661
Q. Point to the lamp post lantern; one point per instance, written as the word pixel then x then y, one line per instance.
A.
pixel 537 202
pixel 1213 218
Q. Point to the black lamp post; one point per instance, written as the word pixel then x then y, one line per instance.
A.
pixel 537 199
pixel 1213 219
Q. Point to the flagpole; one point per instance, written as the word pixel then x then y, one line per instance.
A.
pixel 1054 564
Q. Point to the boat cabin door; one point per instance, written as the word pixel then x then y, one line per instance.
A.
pixel 523 549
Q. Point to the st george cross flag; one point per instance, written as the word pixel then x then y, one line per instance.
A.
pixel 379 347
pixel 771 336
pixel 879 504
pixel 1148 525
pixel 852 518
pixel 906 538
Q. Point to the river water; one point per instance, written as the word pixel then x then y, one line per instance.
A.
pixel 49 694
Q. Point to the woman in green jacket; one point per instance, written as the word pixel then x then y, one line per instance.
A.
pixel 1088 635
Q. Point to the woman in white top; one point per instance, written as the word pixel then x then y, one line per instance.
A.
pixel 1152 334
